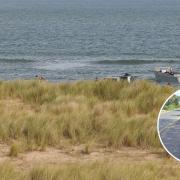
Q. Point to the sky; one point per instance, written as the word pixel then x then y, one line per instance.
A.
pixel 177 93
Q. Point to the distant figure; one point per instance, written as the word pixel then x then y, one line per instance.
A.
pixel 40 77
pixel 171 71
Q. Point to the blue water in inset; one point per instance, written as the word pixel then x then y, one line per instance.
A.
pixel 84 39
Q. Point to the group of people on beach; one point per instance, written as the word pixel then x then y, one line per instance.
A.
pixel 39 77
pixel 168 71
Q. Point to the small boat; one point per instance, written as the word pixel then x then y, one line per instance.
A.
pixel 125 76
pixel 167 75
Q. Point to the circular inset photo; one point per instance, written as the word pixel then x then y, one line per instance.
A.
pixel 168 125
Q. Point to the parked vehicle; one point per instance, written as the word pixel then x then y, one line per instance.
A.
pixel 167 75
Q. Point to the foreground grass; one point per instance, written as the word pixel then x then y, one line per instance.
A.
pixel 36 114
pixel 98 171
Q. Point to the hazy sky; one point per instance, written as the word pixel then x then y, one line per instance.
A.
pixel 177 93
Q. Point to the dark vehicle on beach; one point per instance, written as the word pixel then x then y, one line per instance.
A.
pixel 167 75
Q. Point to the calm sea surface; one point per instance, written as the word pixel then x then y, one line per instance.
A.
pixel 84 39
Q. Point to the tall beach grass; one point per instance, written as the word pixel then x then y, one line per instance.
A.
pixel 37 114
pixel 97 170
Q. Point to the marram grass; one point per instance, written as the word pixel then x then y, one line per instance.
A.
pixel 37 114
pixel 97 170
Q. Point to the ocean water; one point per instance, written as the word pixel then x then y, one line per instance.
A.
pixel 84 39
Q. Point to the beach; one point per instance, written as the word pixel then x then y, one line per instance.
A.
pixel 82 83
pixel 64 130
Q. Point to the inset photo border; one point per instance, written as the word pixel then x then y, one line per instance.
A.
pixel 168 125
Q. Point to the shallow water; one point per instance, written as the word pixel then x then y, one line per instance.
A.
pixel 67 40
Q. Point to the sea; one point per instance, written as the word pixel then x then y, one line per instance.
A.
pixel 66 40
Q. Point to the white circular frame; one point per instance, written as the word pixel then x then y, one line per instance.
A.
pixel 158 127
